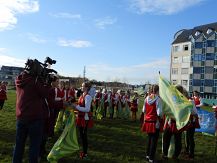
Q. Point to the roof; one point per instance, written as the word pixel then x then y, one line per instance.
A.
pixel 183 35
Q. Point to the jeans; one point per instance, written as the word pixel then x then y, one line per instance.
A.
pixel 33 129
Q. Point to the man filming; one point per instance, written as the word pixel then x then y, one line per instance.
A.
pixel 31 112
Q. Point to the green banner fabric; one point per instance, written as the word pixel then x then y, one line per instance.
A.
pixel 67 143
pixel 177 106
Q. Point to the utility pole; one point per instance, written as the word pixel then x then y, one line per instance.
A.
pixel 84 73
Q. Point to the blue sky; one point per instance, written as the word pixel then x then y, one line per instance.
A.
pixel 117 40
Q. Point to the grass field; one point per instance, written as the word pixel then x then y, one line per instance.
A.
pixel 109 141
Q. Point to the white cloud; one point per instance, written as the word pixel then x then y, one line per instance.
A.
pixel 102 23
pixel 166 7
pixel 3 50
pixel 135 74
pixel 10 8
pixel 36 38
pixel 74 43
pixel 65 15
pixel 11 61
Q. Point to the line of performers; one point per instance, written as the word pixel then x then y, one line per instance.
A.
pixel 86 105
pixel 154 122
pixel 120 103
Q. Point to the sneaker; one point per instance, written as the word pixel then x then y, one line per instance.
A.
pixel 164 157
pixel 86 157
pixel 151 161
pixel 81 155
pixel 147 158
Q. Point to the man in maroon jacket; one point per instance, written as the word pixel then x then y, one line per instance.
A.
pixel 31 112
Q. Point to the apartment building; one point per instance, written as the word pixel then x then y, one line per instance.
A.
pixel 194 59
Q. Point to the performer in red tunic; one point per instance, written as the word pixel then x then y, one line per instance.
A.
pixel 84 118
pixel 97 99
pixel 3 94
pixel 169 130
pixel 134 106
pixel 190 130
pixel 153 122
pixel 197 99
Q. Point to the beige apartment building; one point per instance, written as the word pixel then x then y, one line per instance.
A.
pixel 194 60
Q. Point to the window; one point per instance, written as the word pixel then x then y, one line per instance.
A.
pixel 202 76
pixel 185 47
pixel 176 48
pixel 174 82
pixel 197 70
pixel 210 43
pixel 210 56
pixel 185 82
pixel 175 60
pixel 185 59
pixel 201 89
pixel 174 70
pixel 209 83
pixel 184 71
pixel 196 82
pixel 209 31
pixel 215 83
pixel 209 70
pixel 198 45
pixel 197 33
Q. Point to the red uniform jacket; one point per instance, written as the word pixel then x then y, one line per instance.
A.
pixel 80 121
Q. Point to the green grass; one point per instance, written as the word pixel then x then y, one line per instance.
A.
pixel 109 141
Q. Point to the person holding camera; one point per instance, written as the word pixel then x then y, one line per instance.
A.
pixel 31 112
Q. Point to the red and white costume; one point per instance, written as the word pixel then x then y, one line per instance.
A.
pixel 84 116
pixel 153 113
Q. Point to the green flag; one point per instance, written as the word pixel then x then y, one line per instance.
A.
pixel 67 143
pixel 176 104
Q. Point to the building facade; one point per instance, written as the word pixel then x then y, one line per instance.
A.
pixel 194 60
pixel 9 73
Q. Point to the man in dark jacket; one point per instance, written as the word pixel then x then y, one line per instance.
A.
pixel 31 112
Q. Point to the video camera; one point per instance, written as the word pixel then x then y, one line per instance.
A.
pixel 40 70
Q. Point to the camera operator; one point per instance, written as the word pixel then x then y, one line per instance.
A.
pixel 31 112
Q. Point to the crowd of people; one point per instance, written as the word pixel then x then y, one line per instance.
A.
pixel 41 113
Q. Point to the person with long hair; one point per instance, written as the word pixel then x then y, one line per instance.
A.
pixel 84 119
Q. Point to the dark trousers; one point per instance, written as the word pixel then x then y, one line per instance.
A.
pixel 105 111
pixel 2 104
pixel 152 144
pixel 112 113
pixel 33 129
pixel 189 139
pixel 83 137
pixel 166 142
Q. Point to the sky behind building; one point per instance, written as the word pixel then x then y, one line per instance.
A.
pixel 117 40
